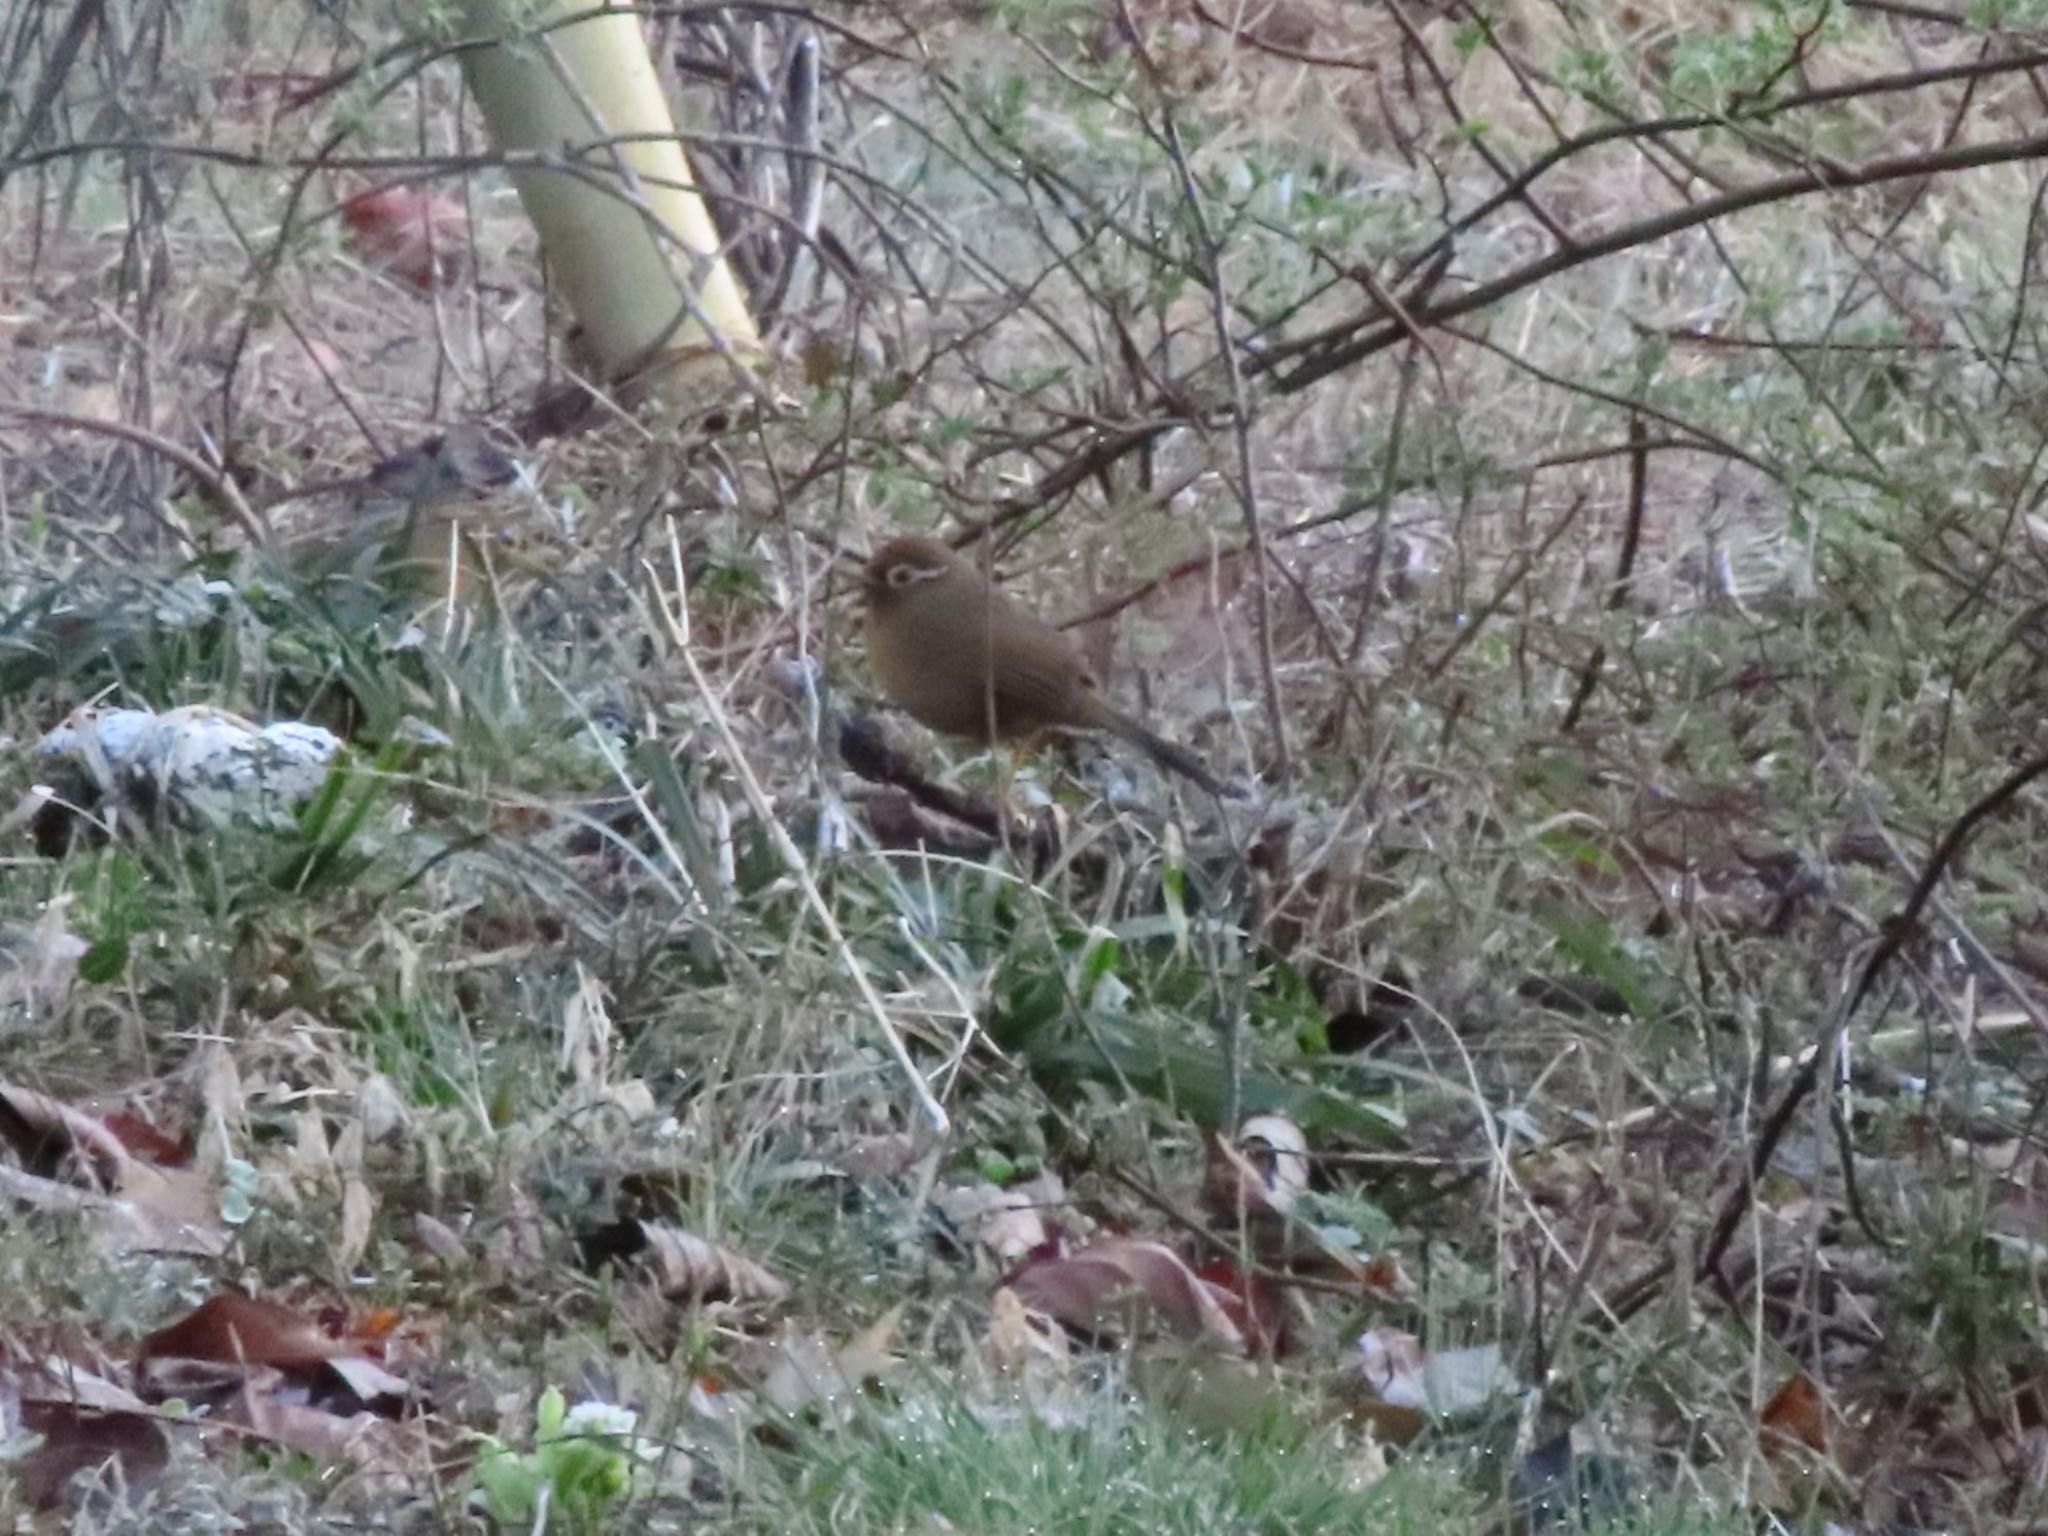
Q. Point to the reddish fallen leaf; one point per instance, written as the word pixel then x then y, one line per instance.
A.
pixel 145 1140
pixel 1254 1302
pixel 1803 1435
pixel 243 1330
pixel 1796 1415
pixel 1124 1279
pixel 1381 1277
pixel 416 237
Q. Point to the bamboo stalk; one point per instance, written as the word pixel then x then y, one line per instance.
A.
pixel 628 238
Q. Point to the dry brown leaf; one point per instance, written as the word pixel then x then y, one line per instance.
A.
pixel 311 1158
pixel 1018 1338
pixel 53 1379
pixel 1124 1280
pixel 440 1239
pixel 358 1211
pixel 586 1049
pixel 1801 1433
pixel 517 1247
pixel 1795 1415
pixel 381 1110
pixel 1024 1357
pixel 83 1420
pixel 804 1369
pixel 75 1162
pixel 687 1266
pixel 133 1447
pixel 1005 1223
pixel 360 1440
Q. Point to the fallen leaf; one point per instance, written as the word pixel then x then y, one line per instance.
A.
pixel 144 1140
pixel 440 1240
pixel 73 1161
pixel 1414 1384
pixel 417 237
pixel 132 1450
pixel 683 1265
pixel 804 1370
pixel 1125 1280
pixel 54 1379
pixel 244 1330
pixel 1795 1415
pixel 1254 1301
pixel 517 1248
pixel 1005 1223
pixel 82 1421
pixel 358 1210
pixel 1018 1338
pixel 362 1440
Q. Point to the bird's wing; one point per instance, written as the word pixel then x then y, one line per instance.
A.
pixel 1034 682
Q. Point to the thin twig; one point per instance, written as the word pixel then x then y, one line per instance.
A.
pixel 216 484
pixel 1624 567
pixel 1897 929
pixel 1240 417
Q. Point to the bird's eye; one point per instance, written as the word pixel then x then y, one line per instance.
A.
pixel 903 575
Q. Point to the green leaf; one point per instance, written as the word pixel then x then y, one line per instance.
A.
pixel 105 960
pixel 1591 945
pixel 1190 1077
pixel 1097 961
pixel 994 1166
pixel 549 1412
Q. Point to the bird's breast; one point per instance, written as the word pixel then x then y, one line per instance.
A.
pixel 940 680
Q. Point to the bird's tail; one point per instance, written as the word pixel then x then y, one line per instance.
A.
pixel 1165 753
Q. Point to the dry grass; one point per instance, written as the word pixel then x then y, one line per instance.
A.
pixel 1573 949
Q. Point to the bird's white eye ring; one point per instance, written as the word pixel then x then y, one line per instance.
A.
pixel 904 575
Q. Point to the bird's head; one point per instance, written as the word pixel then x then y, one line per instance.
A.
pixel 902 568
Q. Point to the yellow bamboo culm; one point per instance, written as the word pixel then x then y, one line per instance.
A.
pixel 628 238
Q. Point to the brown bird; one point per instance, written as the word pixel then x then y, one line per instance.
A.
pixel 958 655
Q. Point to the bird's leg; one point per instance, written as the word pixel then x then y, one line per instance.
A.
pixel 1037 831
pixel 1014 823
